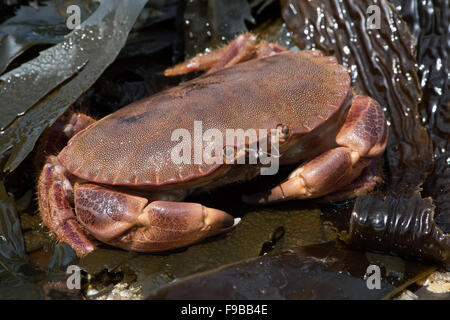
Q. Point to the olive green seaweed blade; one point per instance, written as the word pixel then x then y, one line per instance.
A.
pixel 46 86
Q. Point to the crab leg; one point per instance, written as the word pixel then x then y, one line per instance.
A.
pixel 56 136
pixel 131 222
pixel 236 51
pixel 55 189
pixel 265 49
pixel 242 48
pixel 361 139
pixel 55 192
pixel 117 218
pixel 366 182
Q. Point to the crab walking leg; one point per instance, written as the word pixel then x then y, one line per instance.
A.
pixel 55 190
pixel 76 123
pixel 56 137
pixel 240 49
pixel 265 49
pixel 366 182
pixel 54 193
pixel 361 139
pixel 130 222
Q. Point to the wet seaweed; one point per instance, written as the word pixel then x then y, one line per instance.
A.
pixel 31 27
pixel 38 92
pixel 383 65
pixel 429 24
pixel 248 240
pixel 402 225
pixel 324 271
pixel 12 248
pixel 33 96
pixel 15 272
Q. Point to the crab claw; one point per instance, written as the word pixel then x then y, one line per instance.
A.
pixel 132 223
pixel 165 225
pixel 187 218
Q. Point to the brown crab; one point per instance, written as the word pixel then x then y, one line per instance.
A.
pixel 115 180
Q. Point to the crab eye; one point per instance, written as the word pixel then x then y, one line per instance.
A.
pixel 283 131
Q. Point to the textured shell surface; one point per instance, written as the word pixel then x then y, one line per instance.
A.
pixel 132 147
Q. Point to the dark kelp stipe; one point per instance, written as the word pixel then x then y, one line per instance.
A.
pixel 383 65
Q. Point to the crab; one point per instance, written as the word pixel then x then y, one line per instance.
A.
pixel 115 181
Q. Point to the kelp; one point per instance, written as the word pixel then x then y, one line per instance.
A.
pixel 32 97
pixel 153 30
pixel 382 65
pixel 429 24
pixel 21 33
pixel 15 273
pixel 281 229
pixel 323 271
pixel 38 92
pixel 30 27
pixel 403 225
pixel 136 72
pixel 12 248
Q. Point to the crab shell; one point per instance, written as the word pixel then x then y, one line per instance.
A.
pixel 117 179
pixel 132 147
